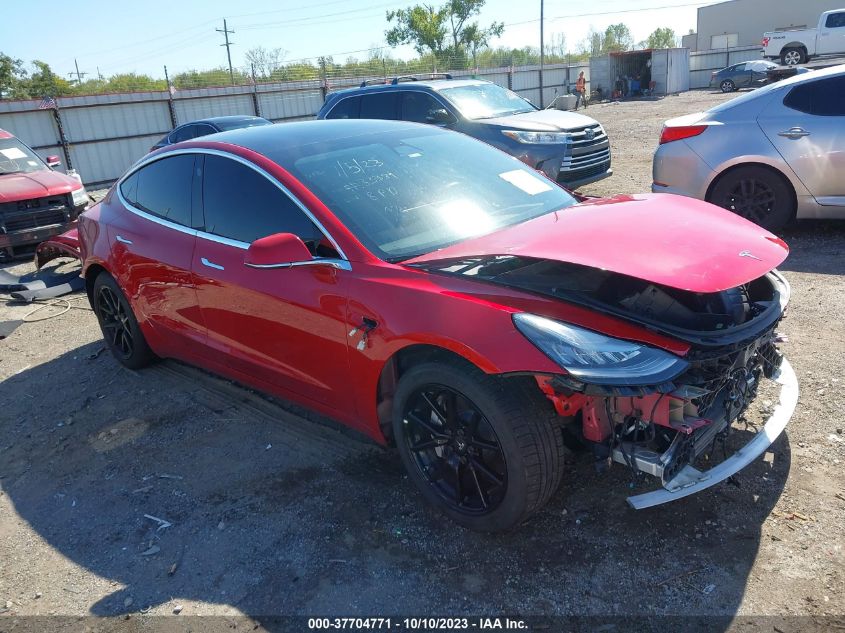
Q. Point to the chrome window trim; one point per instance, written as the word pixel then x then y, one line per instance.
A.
pixel 204 234
pixel 340 264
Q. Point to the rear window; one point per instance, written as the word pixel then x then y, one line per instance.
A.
pixel 237 124
pixel 825 97
pixel 163 188
pixel 348 108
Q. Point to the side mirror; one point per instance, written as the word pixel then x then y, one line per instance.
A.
pixel 441 115
pixel 53 161
pixel 280 250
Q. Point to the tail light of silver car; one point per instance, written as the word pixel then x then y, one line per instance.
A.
pixel 679 132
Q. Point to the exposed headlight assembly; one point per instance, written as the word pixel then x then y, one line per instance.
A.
pixel 537 138
pixel 80 197
pixel 594 358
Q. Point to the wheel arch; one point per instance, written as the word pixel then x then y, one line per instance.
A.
pixel 795 44
pixel 771 168
pixel 400 362
pixel 92 271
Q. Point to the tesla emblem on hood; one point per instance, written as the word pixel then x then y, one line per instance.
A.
pixel 749 254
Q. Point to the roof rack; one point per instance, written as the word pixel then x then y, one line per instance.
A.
pixel 372 82
pixel 397 80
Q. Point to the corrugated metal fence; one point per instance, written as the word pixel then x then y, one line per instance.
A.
pixel 100 136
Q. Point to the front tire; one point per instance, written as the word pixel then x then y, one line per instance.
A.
pixel 483 450
pixel 119 325
pixel 757 194
pixel 792 56
pixel 727 86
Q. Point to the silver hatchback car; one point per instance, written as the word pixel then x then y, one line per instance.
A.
pixel 771 155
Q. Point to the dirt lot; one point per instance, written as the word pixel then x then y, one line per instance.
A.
pixel 268 513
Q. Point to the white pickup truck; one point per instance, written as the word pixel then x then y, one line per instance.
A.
pixel 796 47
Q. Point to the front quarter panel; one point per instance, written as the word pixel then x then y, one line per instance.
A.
pixel 470 319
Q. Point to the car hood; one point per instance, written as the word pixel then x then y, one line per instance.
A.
pixel 665 239
pixel 35 184
pixel 542 121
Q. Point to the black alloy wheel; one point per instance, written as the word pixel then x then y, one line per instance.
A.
pixel 118 324
pixel 115 323
pixel 757 194
pixel 456 449
pixel 485 450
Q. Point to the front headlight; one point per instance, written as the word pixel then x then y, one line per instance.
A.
pixel 537 138
pixel 594 358
pixel 80 197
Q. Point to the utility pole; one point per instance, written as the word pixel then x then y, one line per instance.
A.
pixel 78 74
pixel 542 54
pixel 225 31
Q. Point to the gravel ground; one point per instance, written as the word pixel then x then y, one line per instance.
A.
pixel 293 516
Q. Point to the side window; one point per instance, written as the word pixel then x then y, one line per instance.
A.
pixel 203 130
pixel 417 106
pixel 129 189
pixel 380 105
pixel 243 205
pixel 825 97
pixel 185 133
pixel 163 188
pixel 835 20
pixel 346 109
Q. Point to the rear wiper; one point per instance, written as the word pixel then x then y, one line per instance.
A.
pixel 6 173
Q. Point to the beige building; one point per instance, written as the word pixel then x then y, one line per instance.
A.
pixel 743 22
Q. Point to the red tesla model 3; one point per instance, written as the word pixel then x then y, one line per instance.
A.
pixel 440 295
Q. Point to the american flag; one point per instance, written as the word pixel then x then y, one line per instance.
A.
pixel 47 103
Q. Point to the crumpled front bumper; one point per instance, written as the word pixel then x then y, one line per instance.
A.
pixel 690 480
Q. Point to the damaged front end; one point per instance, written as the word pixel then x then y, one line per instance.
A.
pixel 656 412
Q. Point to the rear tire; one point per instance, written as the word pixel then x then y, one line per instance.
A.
pixel 483 450
pixel 757 194
pixel 792 56
pixel 727 86
pixel 119 325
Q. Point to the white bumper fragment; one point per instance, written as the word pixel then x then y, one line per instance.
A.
pixel 690 481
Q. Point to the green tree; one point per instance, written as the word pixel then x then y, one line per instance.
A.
pixel 132 82
pixel 265 61
pixel 617 37
pixel 444 32
pixel 45 83
pixel 12 74
pixel 662 37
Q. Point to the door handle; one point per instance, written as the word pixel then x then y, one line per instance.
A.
pixel 122 240
pixel 205 262
pixel 794 132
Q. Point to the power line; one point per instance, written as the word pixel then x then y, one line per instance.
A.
pixel 320 18
pixel 225 31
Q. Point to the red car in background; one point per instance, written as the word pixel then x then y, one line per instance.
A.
pixel 35 202
pixel 436 293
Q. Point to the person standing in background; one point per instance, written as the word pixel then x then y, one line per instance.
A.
pixel 581 90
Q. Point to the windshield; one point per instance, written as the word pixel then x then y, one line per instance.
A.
pixel 485 101
pixel 412 191
pixel 15 157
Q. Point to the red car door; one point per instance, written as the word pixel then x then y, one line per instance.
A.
pixel 152 244
pixel 284 327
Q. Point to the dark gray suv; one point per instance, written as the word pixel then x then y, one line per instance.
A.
pixel 570 148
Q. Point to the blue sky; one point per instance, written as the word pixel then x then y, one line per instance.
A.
pixel 142 36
